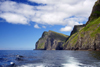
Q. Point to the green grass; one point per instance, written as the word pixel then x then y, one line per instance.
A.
pixel 74 40
pixel 45 33
pixel 58 36
pixel 97 31
pixel 97 12
pixel 91 26
pixel 41 46
pixel 82 35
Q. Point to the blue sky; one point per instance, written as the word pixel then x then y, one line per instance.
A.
pixel 22 22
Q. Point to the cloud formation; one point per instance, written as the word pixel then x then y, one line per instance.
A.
pixel 43 26
pixel 54 12
pixel 67 28
pixel 14 18
pixel 36 26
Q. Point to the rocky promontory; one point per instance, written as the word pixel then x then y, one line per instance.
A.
pixel 51 41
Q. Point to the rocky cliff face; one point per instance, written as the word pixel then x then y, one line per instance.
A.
pixel 95 12
pixel 88 37
pixel 77 28
pixel 51 41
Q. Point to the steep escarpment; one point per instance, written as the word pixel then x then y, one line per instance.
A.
pixel 51 41
pixel 77 28
pixel 88 37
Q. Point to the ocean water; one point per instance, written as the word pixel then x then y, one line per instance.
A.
pixel 42 58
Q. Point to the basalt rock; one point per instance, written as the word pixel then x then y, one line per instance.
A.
pixel 51 41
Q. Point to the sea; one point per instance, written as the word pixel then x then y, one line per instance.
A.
pixel 49 58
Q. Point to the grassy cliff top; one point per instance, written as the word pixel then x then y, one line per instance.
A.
pixel 54 35
pixel 60 34
pixel 94 26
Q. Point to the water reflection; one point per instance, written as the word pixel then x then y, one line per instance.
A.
pixel 95 54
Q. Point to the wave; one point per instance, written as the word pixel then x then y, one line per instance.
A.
pixel 37 65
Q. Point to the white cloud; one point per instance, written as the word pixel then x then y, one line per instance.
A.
pixel 43 26
pixel 55 12
pixel 66 29
pixel 14 18
pixel 56 1
pixel 36 26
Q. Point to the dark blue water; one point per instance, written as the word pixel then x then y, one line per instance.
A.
pixel 40 58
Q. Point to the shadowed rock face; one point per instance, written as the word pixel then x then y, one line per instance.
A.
pixel 77 28
pixel 51 41
pixel 87 37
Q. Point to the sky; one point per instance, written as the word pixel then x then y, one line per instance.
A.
pixel 22 22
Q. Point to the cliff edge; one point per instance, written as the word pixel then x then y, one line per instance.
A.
pixel 51 41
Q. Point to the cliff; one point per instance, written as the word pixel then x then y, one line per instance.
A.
pixel 83 37
pixel 95 12
pixel 51 41
pixel 77 28
pixel 88 37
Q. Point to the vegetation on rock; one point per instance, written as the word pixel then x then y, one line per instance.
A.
pixel 88 37
pixel 51 41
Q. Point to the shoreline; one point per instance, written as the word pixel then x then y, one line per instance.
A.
pixel 71 50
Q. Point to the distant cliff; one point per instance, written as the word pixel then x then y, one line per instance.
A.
pixel 88 37
pixel 51 41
